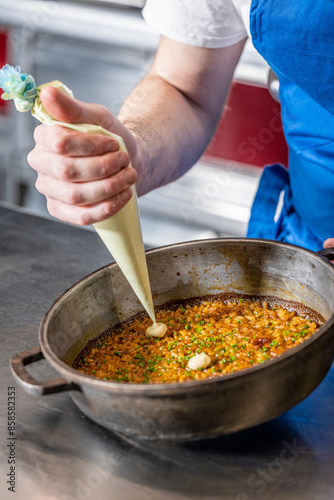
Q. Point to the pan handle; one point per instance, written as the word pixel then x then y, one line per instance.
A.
pixel 328 253
pixel 39 388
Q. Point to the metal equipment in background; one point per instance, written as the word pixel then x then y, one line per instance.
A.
pixel 101 49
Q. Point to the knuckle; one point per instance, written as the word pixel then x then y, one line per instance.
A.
pixel 37 185
pixel 66 170
pixel 39 132
pixel 110 207
pixel 60 143
pixel 110 187
pixel 73 197
pixel 50 206
pixel 104 166
pixel 101 110
pixel 40 186
pixel 88 147
pixel 31 158
pixel 84 218
pixel 107 165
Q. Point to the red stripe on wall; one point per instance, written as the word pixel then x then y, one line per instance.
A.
pixel 3 58
pixel 250 130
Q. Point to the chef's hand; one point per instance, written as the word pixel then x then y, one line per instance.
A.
pixel 84 177
pixel 328 244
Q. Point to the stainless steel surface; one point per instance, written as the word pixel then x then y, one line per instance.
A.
pixel 198 409
pixel 213 196
pixel 62 455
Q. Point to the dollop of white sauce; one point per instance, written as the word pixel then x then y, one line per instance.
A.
pixel 156 330
pixel 198 361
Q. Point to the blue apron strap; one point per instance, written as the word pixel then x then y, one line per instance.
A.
pixel 263 223
pixel 296 38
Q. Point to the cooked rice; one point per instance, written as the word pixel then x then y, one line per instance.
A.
pixel 236 334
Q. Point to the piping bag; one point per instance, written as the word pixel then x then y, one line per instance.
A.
pixel 121 233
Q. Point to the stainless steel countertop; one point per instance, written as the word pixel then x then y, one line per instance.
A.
pixel 61 455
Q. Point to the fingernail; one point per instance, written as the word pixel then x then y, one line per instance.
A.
pixel 129 175
pixel 123 160
pixel 125 195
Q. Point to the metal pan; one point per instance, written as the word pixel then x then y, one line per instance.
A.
pixel 198 409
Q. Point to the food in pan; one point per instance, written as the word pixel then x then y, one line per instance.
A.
pixel 206 338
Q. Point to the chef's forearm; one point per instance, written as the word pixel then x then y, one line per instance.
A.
pixel 174 110
pixel 171 131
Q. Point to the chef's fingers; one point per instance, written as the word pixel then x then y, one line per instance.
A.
pixel 85 215
pixel 67 142
pixel 329 243
pixel 74 169
pixel 86 193
pixel 67 109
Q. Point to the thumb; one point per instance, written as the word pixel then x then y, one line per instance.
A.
pixel 67 109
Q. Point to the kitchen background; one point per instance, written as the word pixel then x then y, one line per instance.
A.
pixel 106 46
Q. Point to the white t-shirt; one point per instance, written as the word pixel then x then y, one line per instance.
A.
pixel 203 23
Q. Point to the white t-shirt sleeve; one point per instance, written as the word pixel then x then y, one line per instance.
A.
pixel 202 23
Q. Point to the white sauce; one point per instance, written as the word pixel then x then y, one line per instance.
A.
pixel 156 330
pixel 198 361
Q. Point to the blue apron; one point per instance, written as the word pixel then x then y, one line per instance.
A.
pixel 296 38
